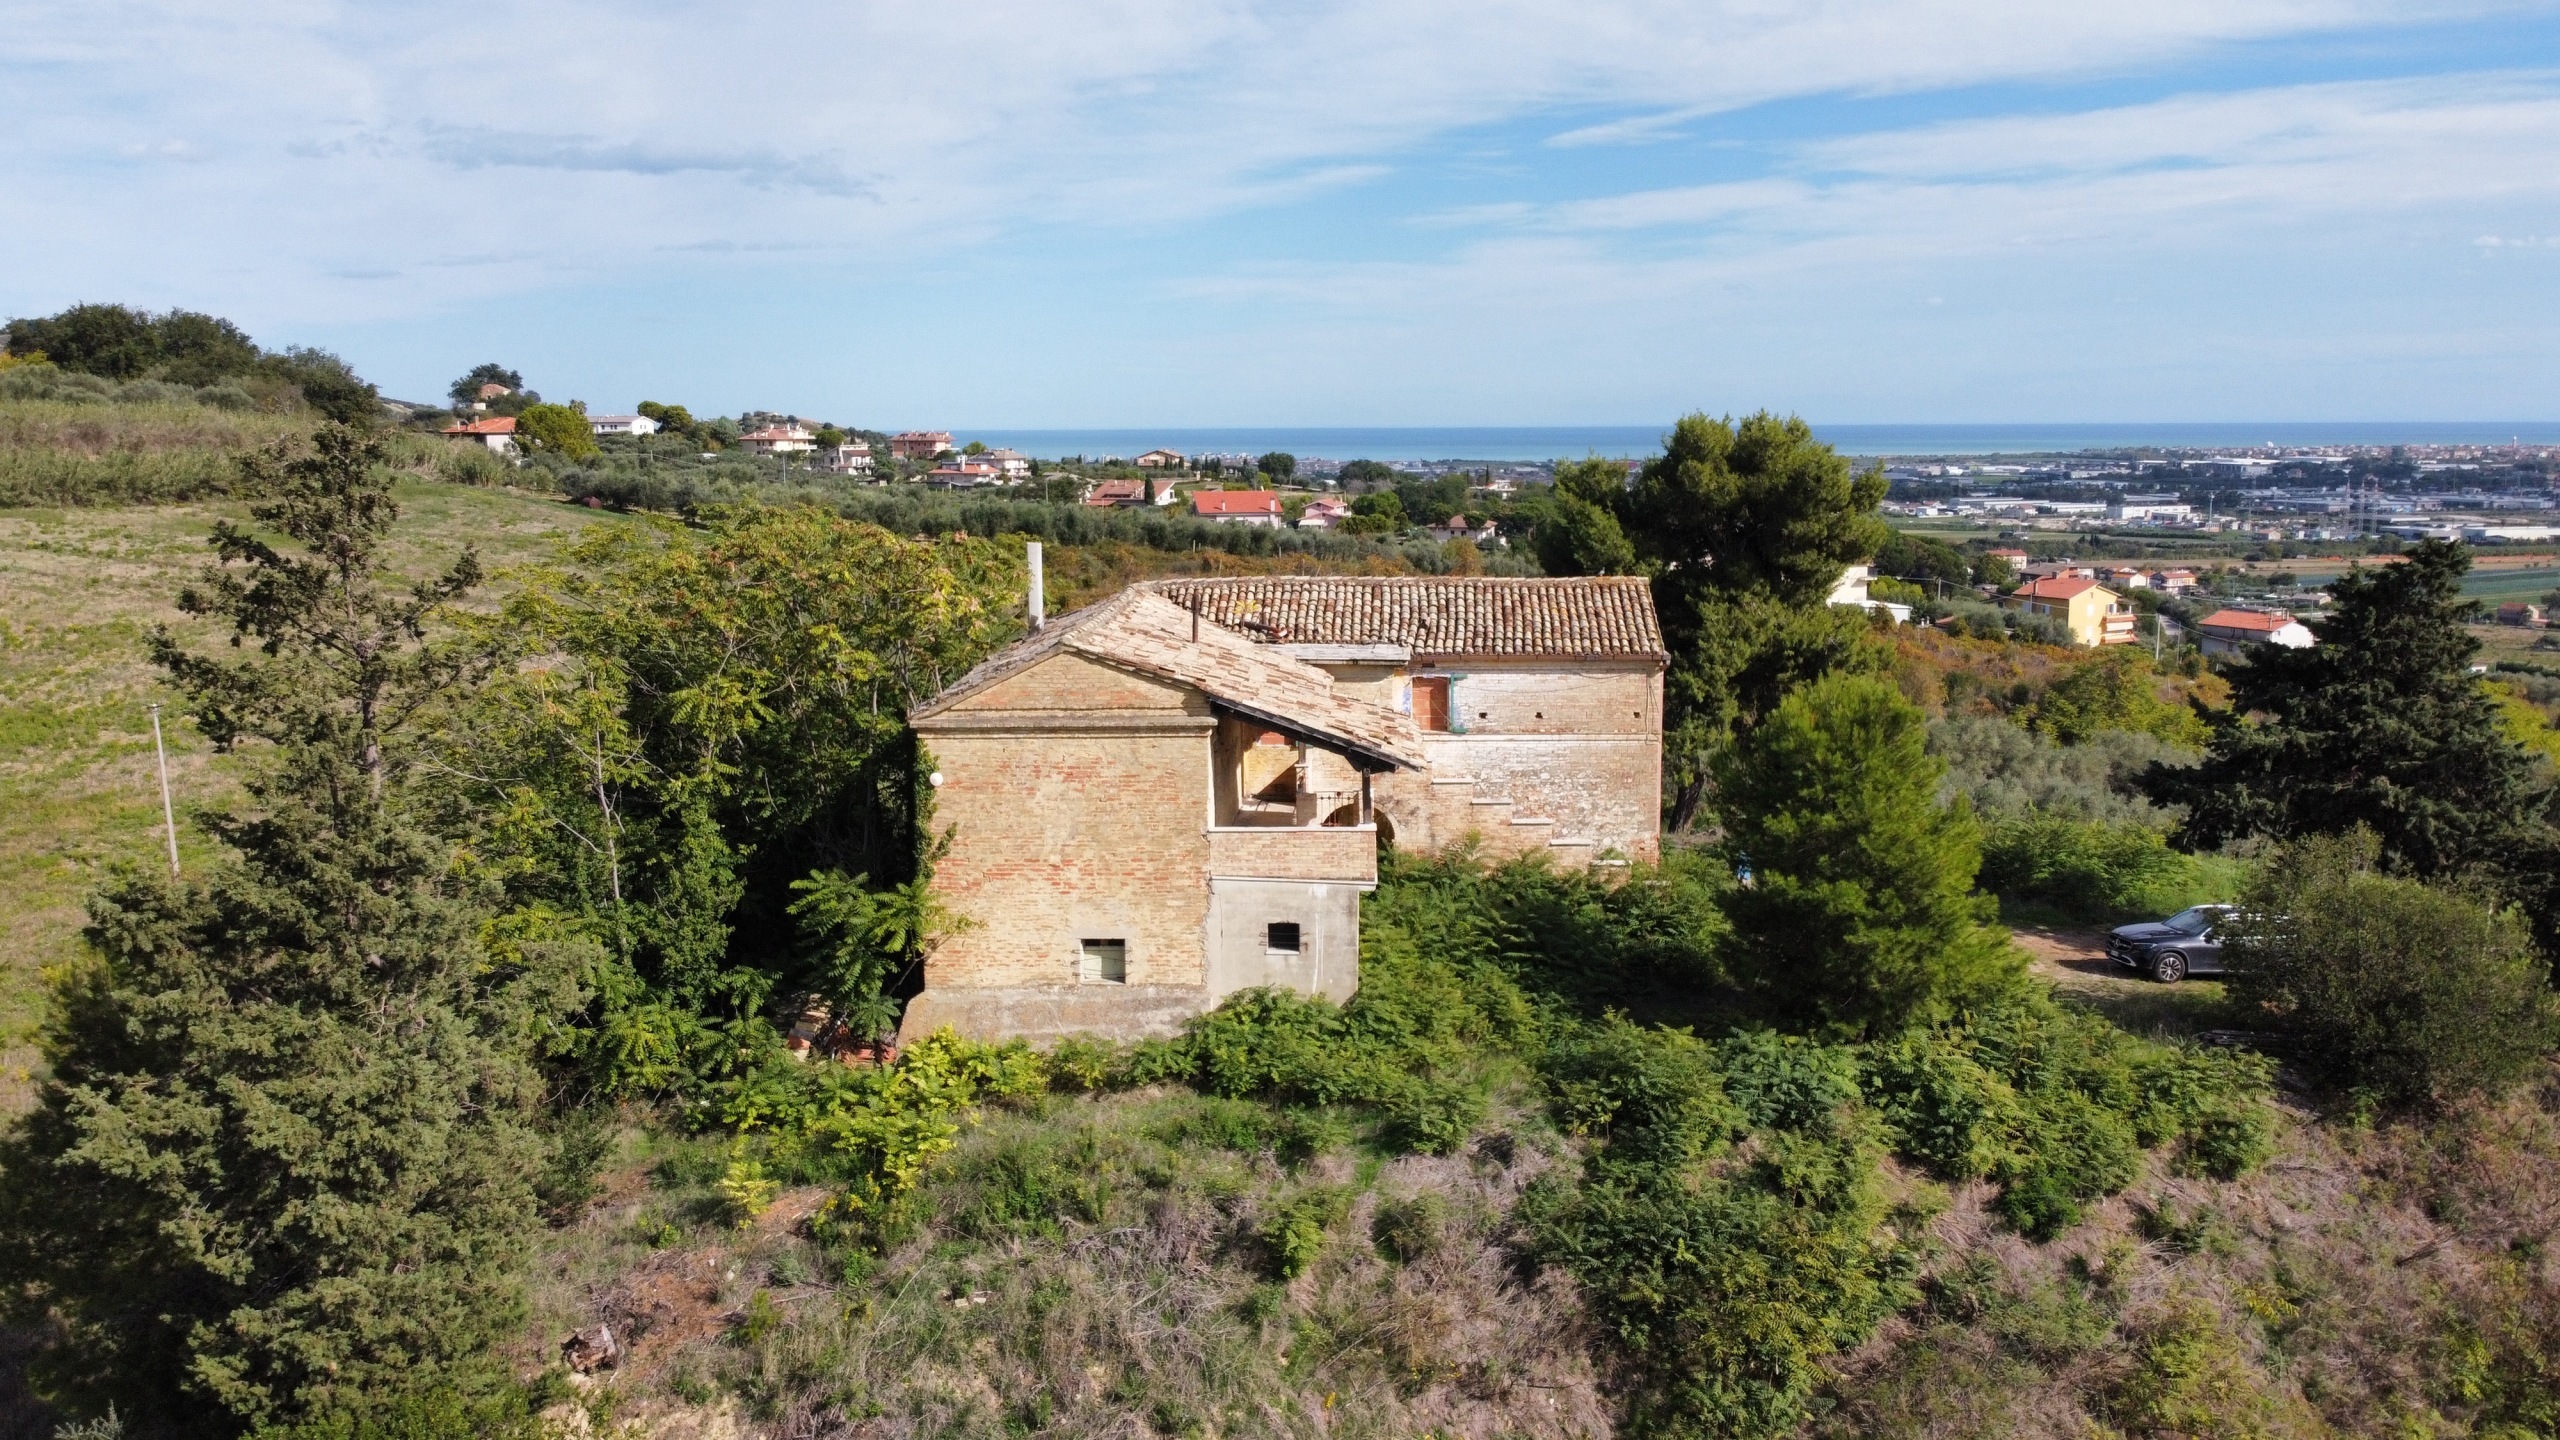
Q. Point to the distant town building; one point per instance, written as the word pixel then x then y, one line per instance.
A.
pixel 853 457
pixel 1117 493
pixel 2230 632
pixel 1456 527
pixel 920 444
pixel 2174 582
pixel 1323 514
pixel 1014 464
pixel 2094 614
pixel 1238 507
pixel 1851 593
pixel 498 433
pixel 2518 612
pixel 622 424
pixel 1162 460
pixel 964 474
pixel 2155 509
pixel 779 440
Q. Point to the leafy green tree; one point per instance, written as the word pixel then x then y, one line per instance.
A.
pixel 672 419
pixel 1579 534
pixel 1744 529
pixel 1278 465
pixel 1861 912
pixel 284 1155
pixel 865 940
pixel 327 384
pixel 114 341
pixel 2114 690
pixel 828 437
pixel 690 720
pixel 556 430
pixel 2378 724
pixel 2407 993
pixel 1365 474
pixel 974 447
pixel 1921 557
pixel 466 390
pixel 202 349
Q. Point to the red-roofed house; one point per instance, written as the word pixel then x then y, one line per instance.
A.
pixel 1238 507
pixel 2230 632
pixel 1180 792
pixel 2094 614
pixel 779 440
pixel 1125 493
pixel 498 433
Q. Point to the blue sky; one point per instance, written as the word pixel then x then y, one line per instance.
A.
pixel 1138 212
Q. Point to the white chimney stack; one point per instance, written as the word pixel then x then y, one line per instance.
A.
pixel 1039 596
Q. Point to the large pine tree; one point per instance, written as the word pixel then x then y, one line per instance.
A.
pixel 2380 723
pixel 1860 911
pixel 286 1150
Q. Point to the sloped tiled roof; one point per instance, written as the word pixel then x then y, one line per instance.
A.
pixel 1584 618
pixel 497 425
pixel 2056 589
pixel 1146 633
pixel 1236 502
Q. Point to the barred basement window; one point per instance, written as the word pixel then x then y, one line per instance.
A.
pixel 1283 938
pixel 1104 962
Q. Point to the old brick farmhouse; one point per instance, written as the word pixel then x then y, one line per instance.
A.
pixel 1178 793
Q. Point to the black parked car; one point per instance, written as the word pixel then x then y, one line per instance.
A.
pixel 2187 943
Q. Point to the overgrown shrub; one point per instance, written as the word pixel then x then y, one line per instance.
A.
pixel 2396 989
pixel 2099 871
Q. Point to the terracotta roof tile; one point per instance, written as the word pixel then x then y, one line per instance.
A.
pixel 1146 633
pixel 1597 617
pixel 2244 620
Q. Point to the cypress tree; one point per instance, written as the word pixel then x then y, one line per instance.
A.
pixel 1860 912
pixel 285 1154
pixel 2380 723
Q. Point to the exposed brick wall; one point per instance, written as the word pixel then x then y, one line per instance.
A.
pixel 1060 838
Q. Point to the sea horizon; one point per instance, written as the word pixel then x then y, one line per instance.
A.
pixel 1518 443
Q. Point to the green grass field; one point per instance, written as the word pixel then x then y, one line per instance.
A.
pixel 80 590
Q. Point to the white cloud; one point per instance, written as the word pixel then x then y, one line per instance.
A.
pixel 582 139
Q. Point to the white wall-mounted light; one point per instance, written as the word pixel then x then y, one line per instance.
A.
pixel 934 779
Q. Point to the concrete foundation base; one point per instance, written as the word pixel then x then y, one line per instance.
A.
pixel 1043 1014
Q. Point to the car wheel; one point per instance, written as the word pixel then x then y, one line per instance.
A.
pixel 2168 967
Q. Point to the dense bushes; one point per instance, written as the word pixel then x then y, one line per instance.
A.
pixel 2099 872
pixel 2397 990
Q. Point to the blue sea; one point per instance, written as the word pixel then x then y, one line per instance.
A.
pixel 1549 442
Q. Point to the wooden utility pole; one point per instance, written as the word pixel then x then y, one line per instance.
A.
pixel 168 812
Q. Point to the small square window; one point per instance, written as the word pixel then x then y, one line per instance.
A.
pixel 1283 938
pixel 1104 962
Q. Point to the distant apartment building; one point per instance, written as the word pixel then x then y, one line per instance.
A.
pixel 2093 614
pixel 1014 464
pixel 920 444
pixel 1238 507
pixel 853 457
pixel 964 475
pixel 779 440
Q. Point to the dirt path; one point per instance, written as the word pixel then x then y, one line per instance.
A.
pixel 2075 964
